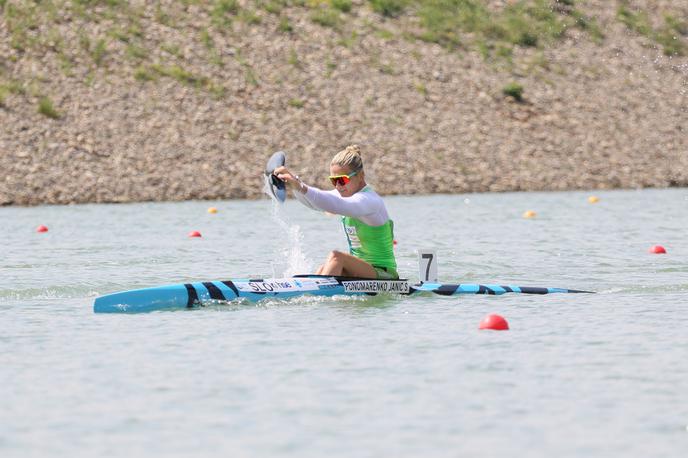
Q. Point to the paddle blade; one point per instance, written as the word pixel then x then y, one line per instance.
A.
pixel 275 187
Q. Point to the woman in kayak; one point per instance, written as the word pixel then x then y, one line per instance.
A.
pixel 367 226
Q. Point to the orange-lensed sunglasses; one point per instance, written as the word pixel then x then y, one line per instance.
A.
pixel 341 180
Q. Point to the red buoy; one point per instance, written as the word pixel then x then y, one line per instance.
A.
pixel 195 234
pixel 41 228
pixel 494 322
pixel 657 249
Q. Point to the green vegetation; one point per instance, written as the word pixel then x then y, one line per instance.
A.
pixel 12 87
pixel 294 59
pixel 223 11
pixel 513 90
pixel 387 69
pixel 98 52
pixel 385 34
pixel 206 39
pixel 342 5
pixel 124 41
pixel 20 19
pixel 46 108
pixel 65 62
pixel 217 91
pixel 583 22
pixel 215 57
pixel 330 67
pixel 348 41
pixel 142 73
pixel 296 103
pixel 53 40
pixel 84 41
pixel 119 34
pixel 183 76
pixel 285 26
pixel 136 52
pixel 677 25
pixel 161 16
pixel 273 7
pixel 389 8
pixel 523 23
pixel 249 17
pixel 638 22
pixel 172 50
pixel 669 36
pixel 249 73
pixel 110 3
pixel 326 17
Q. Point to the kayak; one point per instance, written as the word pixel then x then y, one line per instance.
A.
pixel 192 295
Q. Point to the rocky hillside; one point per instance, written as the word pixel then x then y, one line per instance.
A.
pixel 119 101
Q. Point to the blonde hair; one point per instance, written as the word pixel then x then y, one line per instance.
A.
pixel 349 157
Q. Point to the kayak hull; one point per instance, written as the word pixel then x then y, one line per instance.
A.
pixel 190 295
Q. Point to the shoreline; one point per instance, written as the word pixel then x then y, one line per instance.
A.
pixel 591 192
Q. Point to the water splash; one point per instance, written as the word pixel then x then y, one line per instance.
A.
pixel 291 258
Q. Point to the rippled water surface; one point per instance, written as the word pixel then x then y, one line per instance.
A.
pixel 577 375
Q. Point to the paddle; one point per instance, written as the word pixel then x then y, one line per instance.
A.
pixel 277 187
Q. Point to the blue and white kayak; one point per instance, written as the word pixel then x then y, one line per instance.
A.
pixel 192 295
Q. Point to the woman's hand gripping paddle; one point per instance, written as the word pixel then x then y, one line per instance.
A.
pixel 276 187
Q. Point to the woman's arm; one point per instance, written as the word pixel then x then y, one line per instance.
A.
pixel 367 206
pixel 357 206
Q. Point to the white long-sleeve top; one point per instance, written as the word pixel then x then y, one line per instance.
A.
pixel 366 205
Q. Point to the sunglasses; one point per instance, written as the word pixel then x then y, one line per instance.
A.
pixel 341 180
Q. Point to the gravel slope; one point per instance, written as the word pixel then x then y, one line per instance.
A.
pixel 594 116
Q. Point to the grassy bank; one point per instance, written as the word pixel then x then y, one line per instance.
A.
pixel 123 42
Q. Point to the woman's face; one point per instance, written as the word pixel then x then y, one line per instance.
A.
pixel 355 184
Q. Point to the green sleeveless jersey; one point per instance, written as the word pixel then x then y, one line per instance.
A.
pixel 373 244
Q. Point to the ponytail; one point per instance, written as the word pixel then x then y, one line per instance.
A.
pixel 349 157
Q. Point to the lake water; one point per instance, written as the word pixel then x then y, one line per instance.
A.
pixel 577 375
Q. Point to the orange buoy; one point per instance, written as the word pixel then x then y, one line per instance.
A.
pixel 195 234
pixel 657 249
pixel 494 322
pixel 593 199
pixel 212 210
pixel 41 228
pixel 529 214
